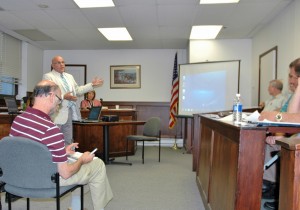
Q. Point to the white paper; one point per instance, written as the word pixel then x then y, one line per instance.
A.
pixel 252 117
pixel 74 157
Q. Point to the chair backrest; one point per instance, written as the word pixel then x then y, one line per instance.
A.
pixel 152 127
pixel 25 163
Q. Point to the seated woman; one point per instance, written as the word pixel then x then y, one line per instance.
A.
pixel 89 101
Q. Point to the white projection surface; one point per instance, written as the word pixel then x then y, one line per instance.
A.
pixel 207 87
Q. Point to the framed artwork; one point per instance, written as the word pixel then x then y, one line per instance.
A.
pixel 125 76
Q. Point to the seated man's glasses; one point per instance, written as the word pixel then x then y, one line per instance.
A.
pixel 59 98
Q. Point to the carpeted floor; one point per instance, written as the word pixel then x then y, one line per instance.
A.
pixel 168 185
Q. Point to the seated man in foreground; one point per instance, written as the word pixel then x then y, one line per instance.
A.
pixel 35 124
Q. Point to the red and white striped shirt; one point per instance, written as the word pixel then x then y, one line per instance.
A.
pixel 38 126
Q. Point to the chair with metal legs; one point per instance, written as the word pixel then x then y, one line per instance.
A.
pixel 27 170
pixel 151 132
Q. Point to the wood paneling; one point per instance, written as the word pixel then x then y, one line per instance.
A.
pixel 90 136
pixel 230 164
pixel 145 110
pixel 289 174
pixel 5 124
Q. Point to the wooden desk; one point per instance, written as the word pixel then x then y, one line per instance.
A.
pixel 90 136
pixel 5 124
pixel 124 114
pixel 289 174
pixel 230 165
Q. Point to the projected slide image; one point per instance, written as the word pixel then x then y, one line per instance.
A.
pixel 203 92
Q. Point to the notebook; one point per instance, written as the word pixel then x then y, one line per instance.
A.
pixel 94 114
pixel 11 104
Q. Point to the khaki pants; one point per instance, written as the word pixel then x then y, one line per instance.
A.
pixel 93 174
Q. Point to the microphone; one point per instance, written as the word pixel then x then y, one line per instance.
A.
pixel 101 100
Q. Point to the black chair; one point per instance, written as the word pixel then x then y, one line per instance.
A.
pixel 151 132
pixel 1 190
pixel 27 170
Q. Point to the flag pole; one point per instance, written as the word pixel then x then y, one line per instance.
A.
pixel 175 147
pixel 174 100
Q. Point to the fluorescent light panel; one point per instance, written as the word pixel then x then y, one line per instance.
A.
pixel 94 3
pixel 116 34
pixel 218 1
pixel 205 32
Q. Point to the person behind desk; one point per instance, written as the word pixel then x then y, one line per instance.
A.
pixel 277 100
pixel 271 175
pixel 89 101
pixel 35 123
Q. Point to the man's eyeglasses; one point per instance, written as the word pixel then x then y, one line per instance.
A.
pixel 59 99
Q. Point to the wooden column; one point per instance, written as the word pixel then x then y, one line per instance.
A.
pixel 289 189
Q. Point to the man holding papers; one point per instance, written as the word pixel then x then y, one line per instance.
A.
pixel 35 124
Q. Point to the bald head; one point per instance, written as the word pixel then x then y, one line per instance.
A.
pixel 46 96
pixel 58 64
pixel 44 87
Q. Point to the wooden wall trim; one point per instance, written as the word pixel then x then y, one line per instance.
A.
pixel 146 110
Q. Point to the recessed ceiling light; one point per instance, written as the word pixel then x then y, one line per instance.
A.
pixel 218 1
pixel 116 34
pixel 205 32
pixel 94 3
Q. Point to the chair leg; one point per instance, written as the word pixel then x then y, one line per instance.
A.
pixel 159 150
pixel 143 151
pixel 28 204
pixel 57 203
pixel 9 201
pixel 82 197
pixel 127 149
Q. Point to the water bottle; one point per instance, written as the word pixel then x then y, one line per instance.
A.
pixel 237 108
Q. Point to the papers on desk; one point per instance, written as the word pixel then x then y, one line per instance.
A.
pixel 279 124
pixel 253 118
pixel 246 117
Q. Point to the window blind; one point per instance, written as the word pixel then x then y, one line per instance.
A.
pixel 10 61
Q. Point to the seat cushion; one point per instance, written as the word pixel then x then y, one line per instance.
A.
pixel 35 193
pixel 141 138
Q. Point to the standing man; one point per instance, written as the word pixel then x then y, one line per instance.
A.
pixel 277 101
pixel 70 90
pixel 35 123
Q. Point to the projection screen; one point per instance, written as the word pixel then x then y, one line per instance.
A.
pixel 208 86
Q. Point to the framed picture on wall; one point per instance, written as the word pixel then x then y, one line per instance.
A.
pixel 125 76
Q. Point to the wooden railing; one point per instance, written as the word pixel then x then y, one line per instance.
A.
pixel 289 189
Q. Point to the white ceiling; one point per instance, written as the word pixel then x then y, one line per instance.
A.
pixel 153 24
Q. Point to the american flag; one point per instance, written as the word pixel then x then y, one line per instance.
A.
pixel 174 95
